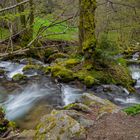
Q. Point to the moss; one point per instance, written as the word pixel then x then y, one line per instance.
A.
pixel 62 73
pixel 18 77
pixel 121 76
pixel 47 70
pixel 3 122
pixel 2 72
pixel 89 81
pixel 71 62
pixel 57 55
pixel 87 25
pixel 32 67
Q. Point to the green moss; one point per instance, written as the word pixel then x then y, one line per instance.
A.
pixel 32 67
pixel 62 73
pixel 87 25
pixel 18 77
pixel 133 110
pixel 47 70
pixel 89 81
pixel 71 62
pixel 3 122
pixel 2 72
pixel 57 55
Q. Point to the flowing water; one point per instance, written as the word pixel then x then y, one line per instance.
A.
pixel 38 96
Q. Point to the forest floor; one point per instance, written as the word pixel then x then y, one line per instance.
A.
pixel 116 126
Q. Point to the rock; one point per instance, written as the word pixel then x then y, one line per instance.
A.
pixel 103 105
pixel 79 117
pixel 31 61
pixel 19 77
pixel 2 72
pixel 89 98
pixel 78 107
pixel 59 126
pixel 26 135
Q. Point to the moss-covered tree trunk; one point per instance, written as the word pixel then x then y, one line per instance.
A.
pixel 87 36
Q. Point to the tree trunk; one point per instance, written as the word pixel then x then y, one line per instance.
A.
pixel 22 17
pixel 31 17
pixel 87 36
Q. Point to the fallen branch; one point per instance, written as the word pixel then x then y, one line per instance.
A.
pixel 14 6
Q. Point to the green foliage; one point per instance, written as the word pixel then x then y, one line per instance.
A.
pixel 133 110
pixel 105 51
pixel 4 33
pixel 122 61
pixel 57 32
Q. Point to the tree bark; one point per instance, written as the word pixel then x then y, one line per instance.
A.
pixel 87 36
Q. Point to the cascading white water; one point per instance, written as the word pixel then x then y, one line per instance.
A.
pixel 70 94
pixel 20 103
pixel 135 70
pixel 131 100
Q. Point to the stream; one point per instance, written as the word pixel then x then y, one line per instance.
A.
pixel 27 101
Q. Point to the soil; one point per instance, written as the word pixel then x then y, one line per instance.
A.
pixel 116 126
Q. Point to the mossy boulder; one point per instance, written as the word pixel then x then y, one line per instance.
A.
pixel 121 75
pixel 59 126
pixel 86 77
pixel 2 72
pixel 89 81
pixel 32 67
pixel 78 107
pixel 98 104
pixel 19 77
pixel 62 73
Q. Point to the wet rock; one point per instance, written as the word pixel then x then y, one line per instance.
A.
pixel 59 126
pixel 19 77
pixel 31 61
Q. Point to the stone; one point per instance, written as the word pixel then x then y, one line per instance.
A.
pixel 59 126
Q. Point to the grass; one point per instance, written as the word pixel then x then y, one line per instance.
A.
pixel 70 33
pixel 133 110
pixel 61 30
pixel 4 33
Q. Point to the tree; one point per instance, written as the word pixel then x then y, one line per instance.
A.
pixel 87 26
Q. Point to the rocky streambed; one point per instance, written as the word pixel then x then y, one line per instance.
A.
pixel 26 101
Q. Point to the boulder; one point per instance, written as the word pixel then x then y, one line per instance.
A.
pixel 59 126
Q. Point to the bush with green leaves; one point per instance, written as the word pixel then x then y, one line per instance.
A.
pixel 106 50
